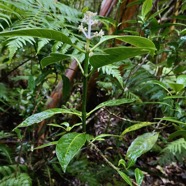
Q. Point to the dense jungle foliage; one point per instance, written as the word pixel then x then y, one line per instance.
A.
pixel 92 92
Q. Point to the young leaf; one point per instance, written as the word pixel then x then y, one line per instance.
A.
pixel 68 146
pixel 125 177
pixel 111 103
pixel 139 176
pixel 141 145
pixel 122 162
pixel 37 118
pixel 136 127
pixel 40 33
pixel 146 7
pixel 102 136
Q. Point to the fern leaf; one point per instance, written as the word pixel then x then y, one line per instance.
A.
pixel 42 42
pixel 176 146
pixel 13 180
pixel 129 95
pixel 175 151
pixel 5 18
pixel 7 170
pixel 114 72
pixel 4 150
pixel 70 14
pixel 18 42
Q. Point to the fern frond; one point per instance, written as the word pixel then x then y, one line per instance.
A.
pixel 176 146
pixel 4 150
pixel 15 180
pixel 7 170
pixel 130 95
pixel 6 19
pixel 42 42
pixel 113 71
pixel 15 43
pixel 41 13
pixel 175 151
pixel 33 14
pixel 69 13
pixel 4 7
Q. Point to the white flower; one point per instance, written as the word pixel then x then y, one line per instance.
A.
pixel 101 33
pixel 89 17
pixel 80 27
pixel 90 20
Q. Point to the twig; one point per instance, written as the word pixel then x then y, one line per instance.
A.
pixel 107 161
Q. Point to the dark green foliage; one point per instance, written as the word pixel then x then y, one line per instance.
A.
pixel 174 152
pixel 147 93
pixel 15 180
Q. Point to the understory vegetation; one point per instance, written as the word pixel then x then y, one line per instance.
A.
pixel 92 92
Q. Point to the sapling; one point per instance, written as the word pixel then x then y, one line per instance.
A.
pixel 71 142
pixel 89 20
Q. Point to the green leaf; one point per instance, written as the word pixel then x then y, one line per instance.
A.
pixel 183 32
pixel 68 146
pixel 31 83
pixel 40 33
pixel 146 7
pixel 102 136
pixel 89 137
pixel 130 164
pixel 56 125
pixel 175 97
pixel 160 84
pixel 125 177
pixel 53 58
pixel 141 145
pixel 181 79
pixel 122 162
pixel 112 55
pixel 111 103
pixel 139 176
pixel 176 87
pixel 5 152
pixel 46 145
pixel 177 133
pixel 42 42
pixel 14 180
pixel 136 41
pixel 173 120
pixel 136 127
pixel 37 118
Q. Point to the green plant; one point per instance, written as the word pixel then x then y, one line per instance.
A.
pixel 10 173
pixel 173 152
pixel 89 60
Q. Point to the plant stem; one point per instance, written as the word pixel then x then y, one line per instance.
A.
pixel 85 85
pixel 103 156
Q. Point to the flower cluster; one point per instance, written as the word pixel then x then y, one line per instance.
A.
pixel 89 20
